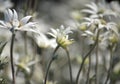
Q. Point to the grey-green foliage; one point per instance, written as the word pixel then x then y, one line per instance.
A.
pixel 3 62
pixel 2 45
pixel 3 59
pixel 2 80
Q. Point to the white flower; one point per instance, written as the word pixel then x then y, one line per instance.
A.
pixel 108 31
pixel 62 36
pixel 12 22
pixel 97 11
pixel 100 24
pixel 24 63
pixel 43 41
pixel 93 9
pixel 90 21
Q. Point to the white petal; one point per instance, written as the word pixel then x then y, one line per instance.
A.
pixel 84 34
pixel 28 27
pixel 8 14
pixel 52 43
pixel 24 20
pixel 53 31
pixel 30 24
pixel 62 27
pixel 88 11
pixel 95 16
pixel 89 32
pixel 87 19
pixel 8 25
pixel 15 15
pixel 68 30
pixel 93 6
pixel 44 37
pixel 2 23
pixel 53 35
pixel 15 23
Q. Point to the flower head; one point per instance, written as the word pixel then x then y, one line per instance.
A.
pixel 62 36
pixel 109 32
pixel 44 42
pixel 24 63
pixel 12 22
pixel 96 11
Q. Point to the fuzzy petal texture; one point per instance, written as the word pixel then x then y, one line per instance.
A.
pixel 2 23
pixel 8 14
pixel 24 20
pixel 28 27
pixel 15 15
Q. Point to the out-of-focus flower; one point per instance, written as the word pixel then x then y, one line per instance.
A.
pixel 76 15
pixel 51 82
pixel 5 4
pixel 24 63
pixel 93 9
pixel 108 31
pixel 44 42
pixel 93 23
pixel 12 22
pixel 113 38
pixel 62 36
pixel 97 11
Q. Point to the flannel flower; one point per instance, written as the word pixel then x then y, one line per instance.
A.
pixel 62 36
pixel 100 24
pixel 108 31
pixel 24 63
pixel 96 11
pixel 12 22
pixel 44 42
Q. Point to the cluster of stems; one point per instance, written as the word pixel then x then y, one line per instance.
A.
pixel 53 58
pixel 85 57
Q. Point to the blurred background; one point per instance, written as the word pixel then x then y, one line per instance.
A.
pixel 32 53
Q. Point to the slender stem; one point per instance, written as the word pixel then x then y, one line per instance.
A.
pixel 34 56
pixel 96 67
pixel 109 70
pixel 70 67
pixel 49 64
pixel 25 42
pixel 11 57
pixel 77 78
pixel 104 62
pixel 88 73
pixel 81 66
pixel 35 5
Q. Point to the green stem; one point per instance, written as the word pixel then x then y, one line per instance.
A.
pixel 49 64
pixel 81 66
pixel 35 5
pixel 69 62
pixel 77 78
pixel 88 73
pixel 25 42
pixel 109 70
pixel 11 57
pixel 96 67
